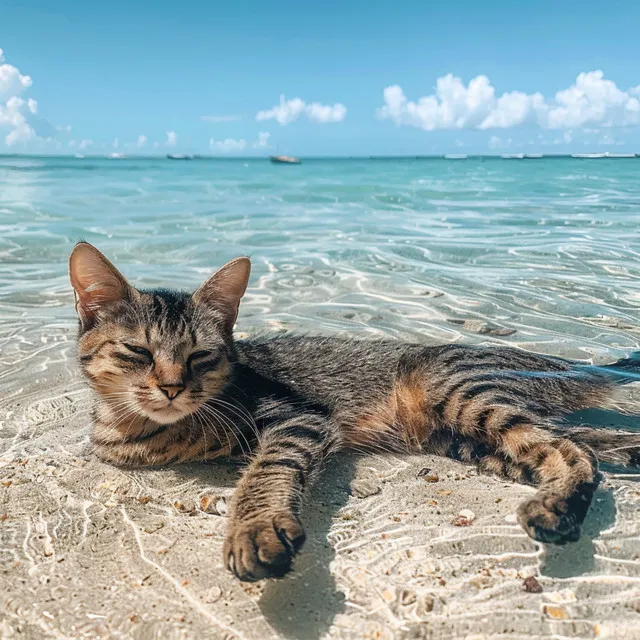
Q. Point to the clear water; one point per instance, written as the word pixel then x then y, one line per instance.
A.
pixel 540 253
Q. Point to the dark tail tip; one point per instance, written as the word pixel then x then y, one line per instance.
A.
pixel 628 368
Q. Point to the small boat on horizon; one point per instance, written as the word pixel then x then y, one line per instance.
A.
pixel 178 156
pixel 589 156
pixel 621 155
pixel 455 156
pixel 533 156
pixel 285 160
pixel 116 156
pixel 513 156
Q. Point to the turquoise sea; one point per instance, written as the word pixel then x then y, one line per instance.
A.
pixel 542 253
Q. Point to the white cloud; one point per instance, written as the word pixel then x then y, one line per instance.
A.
pixel 116 143
pixel 85 143
pixel 142 141
pixel 290 110
pixel 233 145
pixel 594 100
pixel 590 100
pixel 317 112
pixel 231 118
pixel 16 114
pixel 172 139
pixel 12 82
pixel 228 145
pixel 263 140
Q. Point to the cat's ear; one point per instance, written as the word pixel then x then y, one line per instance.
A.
pixel 95 281
pixel 224 289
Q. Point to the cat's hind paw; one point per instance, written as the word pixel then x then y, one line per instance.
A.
pixel 262 547
pixel 548 519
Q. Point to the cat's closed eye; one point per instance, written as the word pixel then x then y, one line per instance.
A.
pixel 204 360
pixel 198 355
pixel 141 351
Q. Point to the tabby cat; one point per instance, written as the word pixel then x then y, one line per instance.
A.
pixel 172 385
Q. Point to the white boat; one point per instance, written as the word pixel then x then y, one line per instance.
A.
pixel 116 156
pixel 455 156
pixel 589 156
pixel 533 156
pixel 621 155
pixel 79 156
pixel 178 156
pixel 284 160
pixel 512 156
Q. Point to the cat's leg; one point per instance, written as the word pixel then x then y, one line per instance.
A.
pixel 264 530
pixel 520 446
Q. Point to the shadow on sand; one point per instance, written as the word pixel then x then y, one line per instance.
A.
pixel 303 605
pixel 579 558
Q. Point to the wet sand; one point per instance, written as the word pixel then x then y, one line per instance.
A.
pixel 91 551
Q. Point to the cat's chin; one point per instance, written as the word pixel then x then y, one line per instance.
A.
pixel 168 415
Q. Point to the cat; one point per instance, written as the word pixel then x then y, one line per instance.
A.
pixel 172 385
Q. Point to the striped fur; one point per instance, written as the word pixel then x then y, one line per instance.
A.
pixel 171 385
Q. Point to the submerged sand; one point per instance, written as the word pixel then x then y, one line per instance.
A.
pixel 91 551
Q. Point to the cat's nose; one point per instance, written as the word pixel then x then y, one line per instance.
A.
pixel 171 390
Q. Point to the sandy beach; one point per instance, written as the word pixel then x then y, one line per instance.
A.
pixel 91 551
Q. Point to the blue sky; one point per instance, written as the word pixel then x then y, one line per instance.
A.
pixel 371 77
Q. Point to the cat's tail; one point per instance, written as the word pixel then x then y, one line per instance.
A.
pixel 621 385
pixel 620 448
pixel 626 370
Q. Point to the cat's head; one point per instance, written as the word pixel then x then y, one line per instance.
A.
pixel 155 354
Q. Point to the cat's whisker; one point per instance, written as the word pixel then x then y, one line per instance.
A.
pixel 224 430
pixel 225 420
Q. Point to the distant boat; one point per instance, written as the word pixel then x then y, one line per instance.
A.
pixel 512 156
pixel 533 156
pixel 116 156
pixel 178 156
pixel 620 155
pixel 284 160
pixel 455 156
pixel 79 156
pixel 589 156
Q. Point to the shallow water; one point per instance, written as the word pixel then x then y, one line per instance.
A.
pixel 543 253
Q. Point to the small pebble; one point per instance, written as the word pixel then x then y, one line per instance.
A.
pixel 214 594
pixel 214 505
pixel 531 585
pixel 464 519
pixel 185 507
pixel 483 328
pixel 428 475
pixel 557 613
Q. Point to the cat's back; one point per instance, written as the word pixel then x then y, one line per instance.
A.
pixel 327 368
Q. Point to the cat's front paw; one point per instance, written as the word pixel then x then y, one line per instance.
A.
pixel 548 518
pixel 262 547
